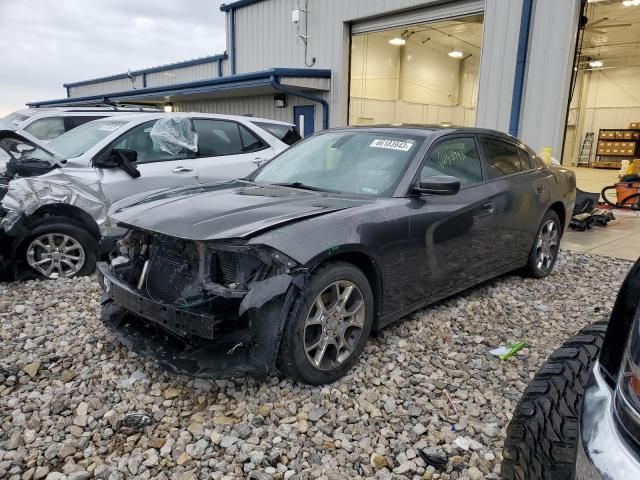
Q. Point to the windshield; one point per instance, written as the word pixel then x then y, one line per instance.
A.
pixel 77 141
pixel 344 162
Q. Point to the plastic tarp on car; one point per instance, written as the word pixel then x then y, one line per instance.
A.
pixel 173 135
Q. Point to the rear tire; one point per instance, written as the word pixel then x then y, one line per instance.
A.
pixel 542 437
pixel 308 323
pixel 76 248
pixel 546 246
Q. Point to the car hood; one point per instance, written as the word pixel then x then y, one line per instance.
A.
pixel 226 210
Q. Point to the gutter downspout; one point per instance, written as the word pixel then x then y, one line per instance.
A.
pixel 232 47
pixel 521 64
pixel 275 83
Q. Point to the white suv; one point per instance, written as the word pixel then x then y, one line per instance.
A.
pixel 50 122
pixel 53 218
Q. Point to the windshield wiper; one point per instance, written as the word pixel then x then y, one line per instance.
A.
pixel 299 185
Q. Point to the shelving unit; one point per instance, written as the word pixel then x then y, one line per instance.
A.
pixel 614 145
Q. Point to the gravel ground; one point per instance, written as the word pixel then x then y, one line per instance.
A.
pixel 425 387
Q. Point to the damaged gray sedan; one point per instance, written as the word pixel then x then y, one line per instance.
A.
pixel 290 269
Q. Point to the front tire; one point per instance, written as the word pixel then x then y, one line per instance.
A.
pixel 542 438
pixel 546 246
pixel 57 247
pixel 328 326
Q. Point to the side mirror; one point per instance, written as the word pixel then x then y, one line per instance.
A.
pixel 116 158
pixel 438 185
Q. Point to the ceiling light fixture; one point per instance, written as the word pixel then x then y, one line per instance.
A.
pixel 631 3
pixel 399 41
pixel 456 54
pixel 596 63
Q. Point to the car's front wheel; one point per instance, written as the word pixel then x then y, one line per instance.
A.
pixel 328 326
pixel 542 438
pixel 57 247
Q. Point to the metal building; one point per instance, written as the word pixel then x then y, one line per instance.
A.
pixel 503 64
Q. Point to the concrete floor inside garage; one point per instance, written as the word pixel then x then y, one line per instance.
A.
pixel 620 238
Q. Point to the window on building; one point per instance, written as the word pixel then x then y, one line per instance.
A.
pixel 457 157
pixel 422 74
pixel 502 158
pixel 221 137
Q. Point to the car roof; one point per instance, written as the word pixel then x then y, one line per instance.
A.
pixel 145 117
pixel 425 130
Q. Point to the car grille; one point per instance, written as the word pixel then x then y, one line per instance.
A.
pixel 172 276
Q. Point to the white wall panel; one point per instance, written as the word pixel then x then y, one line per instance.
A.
pixel 182 75
pixel 258 106
pixel 549 69
pixel 110 86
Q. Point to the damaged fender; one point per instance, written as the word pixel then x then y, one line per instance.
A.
pixel 26 195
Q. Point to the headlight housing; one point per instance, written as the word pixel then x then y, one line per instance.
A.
pixel 627 403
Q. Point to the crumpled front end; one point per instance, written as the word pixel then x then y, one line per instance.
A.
pixel 24 196
pixel 209 309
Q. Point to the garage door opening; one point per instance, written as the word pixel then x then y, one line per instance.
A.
pixel 603 128
pixel 422 74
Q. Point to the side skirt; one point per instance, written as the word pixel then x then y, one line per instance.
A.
pixel 398 314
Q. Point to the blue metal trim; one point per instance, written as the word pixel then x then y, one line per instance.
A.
pixel 179 87
pixel 162 68
pixel 275 83
pixel 521 64
pixel 232 47
pixel 227 7
pixel 219 68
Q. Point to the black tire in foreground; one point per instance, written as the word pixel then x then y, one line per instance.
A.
pixel 328 326
pixel 56 247
pixel 544 251
pixel 542 437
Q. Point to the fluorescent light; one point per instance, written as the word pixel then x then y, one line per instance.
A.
pixel 397 41
pixel 596 63
pixel 456 54
pixel 631 3
pixel 168 107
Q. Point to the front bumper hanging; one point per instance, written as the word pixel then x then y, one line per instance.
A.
pixel 199 344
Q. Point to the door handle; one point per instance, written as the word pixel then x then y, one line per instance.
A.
pixel 182 170
pixel 541 188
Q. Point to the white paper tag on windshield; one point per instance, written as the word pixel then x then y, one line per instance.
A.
pixel 391 144
pixel 109 127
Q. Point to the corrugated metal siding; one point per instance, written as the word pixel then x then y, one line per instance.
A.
pixel 549 68
pixel 498 63
pixel 110 86
pixel 258 106
pixel 307 82
pixel 182 75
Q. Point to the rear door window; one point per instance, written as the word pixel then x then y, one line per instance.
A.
pixel 222 137
pixel 502 158
pixel 285 133
pixel 46 128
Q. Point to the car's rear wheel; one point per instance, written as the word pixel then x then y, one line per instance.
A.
pixel 546 246
pixel 542 437
pixel 57 247
pixel 328 326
